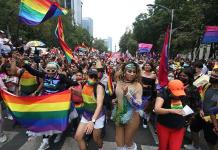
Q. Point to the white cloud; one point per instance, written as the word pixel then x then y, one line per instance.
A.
pixel 112 17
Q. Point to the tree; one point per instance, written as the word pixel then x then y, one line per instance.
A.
pixel 45 32
pixel 127 42
pixel 191 16
pixel 99 45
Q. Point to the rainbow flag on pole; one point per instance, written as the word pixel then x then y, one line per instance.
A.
pixel 34 12
pixel 41 114
pixel 210 35
pixel 110 83
pixel 60 35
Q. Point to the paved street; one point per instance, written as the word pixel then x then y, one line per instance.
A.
pixel 18 140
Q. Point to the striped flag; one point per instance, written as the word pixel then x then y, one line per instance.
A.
pixel 41 114
pixel 210 35
pixel 34 12
pixel 163 66
pixel 144 48
pixel 60 35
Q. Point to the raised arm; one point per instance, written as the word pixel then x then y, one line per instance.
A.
pixel 34 71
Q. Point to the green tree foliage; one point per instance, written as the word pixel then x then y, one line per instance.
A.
pixel 127 42
pixel 45 32
pixel 190 19
pixel 100 45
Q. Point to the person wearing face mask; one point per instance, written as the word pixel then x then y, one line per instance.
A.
pixel 53 82
pixel 93 116
pixel 126 110
pixel 170 119
pixel 192 99
pixel 207 119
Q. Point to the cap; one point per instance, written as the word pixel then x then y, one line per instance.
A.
pixel 176 87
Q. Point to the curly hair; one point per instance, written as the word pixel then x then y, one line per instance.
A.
pixel 120 74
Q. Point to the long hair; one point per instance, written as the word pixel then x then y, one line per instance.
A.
pixel 120 74
pixel 190 73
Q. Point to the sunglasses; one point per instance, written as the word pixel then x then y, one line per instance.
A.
pixel 50 71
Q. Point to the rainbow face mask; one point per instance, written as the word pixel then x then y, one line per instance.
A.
pixel 91 82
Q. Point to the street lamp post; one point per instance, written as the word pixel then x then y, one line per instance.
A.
pixel 171 23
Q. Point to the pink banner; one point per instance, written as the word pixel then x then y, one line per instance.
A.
pixel 211 28
pixel 143 45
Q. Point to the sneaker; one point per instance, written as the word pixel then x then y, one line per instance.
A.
pixel 57 138
pixel 145 123
pixel 133 147
pixel 191 147
pixel 3 138
pixel 44 145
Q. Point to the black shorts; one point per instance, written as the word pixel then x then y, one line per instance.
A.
pixel 198 124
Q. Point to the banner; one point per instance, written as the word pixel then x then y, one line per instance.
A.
pixel 34 12
pixel 40 114
pixel 210 35
pixel 144 48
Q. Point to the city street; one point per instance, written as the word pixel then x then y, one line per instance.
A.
pixel 145 139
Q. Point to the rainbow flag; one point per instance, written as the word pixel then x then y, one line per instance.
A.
pixel 210 35
pixel 109 84
pixel 41 114
pixel 34 12
pixel 60 35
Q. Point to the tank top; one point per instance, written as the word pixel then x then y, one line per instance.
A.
pixel 28 83
pixel 89 102
pixel 148 91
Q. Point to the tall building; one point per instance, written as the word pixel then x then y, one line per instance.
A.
pixel 76 10
pixel 87 23
pixel 108 43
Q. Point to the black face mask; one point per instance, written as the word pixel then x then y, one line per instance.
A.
pixel 213 80
pixel 185 81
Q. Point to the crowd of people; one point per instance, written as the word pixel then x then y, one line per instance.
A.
pixel 136 96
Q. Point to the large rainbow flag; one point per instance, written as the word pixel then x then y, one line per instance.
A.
pixel 60 35
pixel 210 35
pixel 41 114
pixel 34 12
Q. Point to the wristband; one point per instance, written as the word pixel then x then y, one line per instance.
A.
pixel 93 121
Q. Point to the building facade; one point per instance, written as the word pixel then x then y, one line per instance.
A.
pixel 75 6
pixel 87 23
pixel 108 43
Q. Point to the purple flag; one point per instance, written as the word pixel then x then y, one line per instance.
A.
pixel 144 48
pixel 210 35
